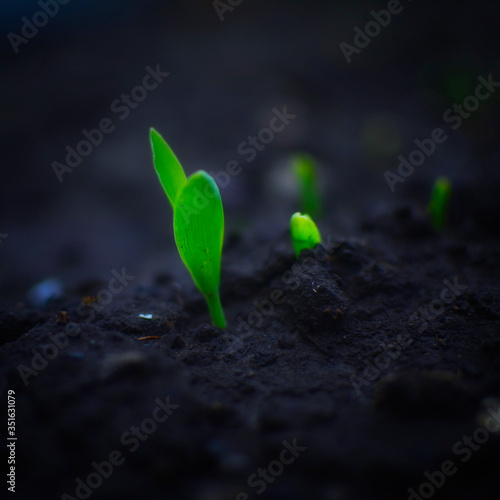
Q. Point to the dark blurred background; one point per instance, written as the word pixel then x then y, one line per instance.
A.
pixel 226 77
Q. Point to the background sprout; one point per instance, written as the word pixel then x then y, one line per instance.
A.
pixel 304 232
pixel 198 223
pixel 306 170
pixel 439 202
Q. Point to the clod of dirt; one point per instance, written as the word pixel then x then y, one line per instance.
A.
pixel 314 294
pixel 426 393
pixel 119 364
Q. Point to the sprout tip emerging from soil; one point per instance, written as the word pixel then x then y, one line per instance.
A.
pixel 305 234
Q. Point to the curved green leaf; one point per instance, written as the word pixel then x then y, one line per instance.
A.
pixel 168 168
pixel 199 234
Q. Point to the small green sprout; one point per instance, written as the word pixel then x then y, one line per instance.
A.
pixel 439 202
pixel 305 233
pixel 198 222
pixel 306 170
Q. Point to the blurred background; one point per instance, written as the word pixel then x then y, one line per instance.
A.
pixel 229 68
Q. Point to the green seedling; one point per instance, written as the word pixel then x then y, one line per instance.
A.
pixel 306 170
pixel 198 222
pixel 305 234
pixel 439 202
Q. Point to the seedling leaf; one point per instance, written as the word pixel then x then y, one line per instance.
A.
pixel 305 234
pixel 168 168
pixel 199 234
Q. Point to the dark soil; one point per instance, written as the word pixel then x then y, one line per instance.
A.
pixel 369 369
pixel 330 351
